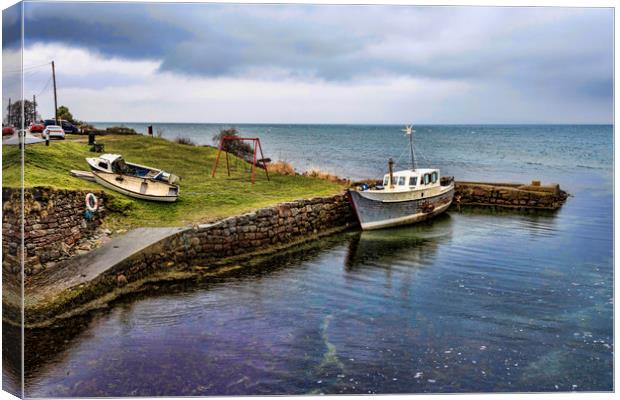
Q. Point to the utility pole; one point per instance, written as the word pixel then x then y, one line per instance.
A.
pixel 55 99
pixel 34 108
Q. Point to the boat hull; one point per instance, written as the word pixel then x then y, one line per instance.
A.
pixel 129 188
pixel 375 214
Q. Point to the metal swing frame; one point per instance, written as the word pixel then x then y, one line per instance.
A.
pixel 256 147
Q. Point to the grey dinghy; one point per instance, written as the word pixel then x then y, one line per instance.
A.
pixel 406 196
pixel 141 188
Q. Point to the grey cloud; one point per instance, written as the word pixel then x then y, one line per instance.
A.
pixel 557 49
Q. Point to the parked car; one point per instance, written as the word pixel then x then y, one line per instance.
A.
pixel 68 127
pixel 54 131
pixel 36 127
pixel 7 130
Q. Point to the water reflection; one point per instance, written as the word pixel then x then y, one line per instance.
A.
pixel 417 244
pixel 11 359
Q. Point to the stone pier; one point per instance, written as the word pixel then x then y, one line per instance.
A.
pixel 509 195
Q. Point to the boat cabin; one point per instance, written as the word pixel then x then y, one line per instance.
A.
pixel 114 163
pixel 407 180
pixel 109 162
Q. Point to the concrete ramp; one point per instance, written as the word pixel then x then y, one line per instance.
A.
pixel 86 267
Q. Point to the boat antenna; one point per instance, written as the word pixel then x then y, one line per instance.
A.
pixel 409 132
pixel 391 169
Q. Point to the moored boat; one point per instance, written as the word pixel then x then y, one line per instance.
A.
pixel 141 188
pixel 405 197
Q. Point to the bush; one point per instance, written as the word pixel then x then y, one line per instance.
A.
pixel 184 140
pixel 120 130
pixel 317 173
pixel 84 127
pixel 236 147
pixel 282 167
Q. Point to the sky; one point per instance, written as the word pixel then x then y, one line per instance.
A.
pixel 314 63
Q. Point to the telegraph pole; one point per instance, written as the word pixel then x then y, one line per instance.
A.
pixel 55 98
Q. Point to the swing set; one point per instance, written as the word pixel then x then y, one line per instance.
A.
pixel 256 147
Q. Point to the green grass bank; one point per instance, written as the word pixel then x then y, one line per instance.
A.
pixel 202 198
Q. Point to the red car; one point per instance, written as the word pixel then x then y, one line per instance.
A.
pixel 36 128
pixel 7 130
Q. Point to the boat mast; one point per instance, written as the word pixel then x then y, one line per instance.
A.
pixel 409 132
pixel 411 148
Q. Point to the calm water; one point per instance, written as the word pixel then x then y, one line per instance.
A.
pixel 474 301
pixel 465 151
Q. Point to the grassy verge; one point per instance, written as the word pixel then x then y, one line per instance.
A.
pixel 202 198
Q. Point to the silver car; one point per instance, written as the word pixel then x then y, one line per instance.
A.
pixel 54 131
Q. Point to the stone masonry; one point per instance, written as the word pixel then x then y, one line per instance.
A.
pixel 508 195
pixel 54 225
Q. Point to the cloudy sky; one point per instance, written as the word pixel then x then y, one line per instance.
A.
pixel 317 64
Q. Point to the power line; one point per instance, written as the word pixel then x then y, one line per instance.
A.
pixel 28 67
pixel 47 84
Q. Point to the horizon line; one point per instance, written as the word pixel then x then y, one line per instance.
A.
pixel 356 123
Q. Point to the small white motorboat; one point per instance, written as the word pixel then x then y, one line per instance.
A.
pixel 141 188
pixel 115 164
pixel 406 196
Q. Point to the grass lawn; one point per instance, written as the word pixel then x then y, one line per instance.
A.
pixel 202 198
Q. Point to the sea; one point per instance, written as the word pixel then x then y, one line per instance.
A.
pixel 474 301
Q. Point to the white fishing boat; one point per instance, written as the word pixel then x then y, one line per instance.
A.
pixel 115 164
pixel 405 197
pixel 141 188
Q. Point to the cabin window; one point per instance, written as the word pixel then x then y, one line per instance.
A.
pixel 413 180
pixel 401 181
pixel 434 177
pixel 427 179
pixel 386 180
pixel 103 165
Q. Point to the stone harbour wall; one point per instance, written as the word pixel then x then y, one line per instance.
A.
pixel 509 195
pixel 206 248
pixel 258 231
pixel 55 225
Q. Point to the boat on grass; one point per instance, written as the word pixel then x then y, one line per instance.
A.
pixel 115 164
pixel 138 187
pixel 404 197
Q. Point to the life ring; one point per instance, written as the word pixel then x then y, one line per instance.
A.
pixel 92 204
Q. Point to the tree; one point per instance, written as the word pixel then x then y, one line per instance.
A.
pixel 15 111
pixel 64 113
pixel 236 147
